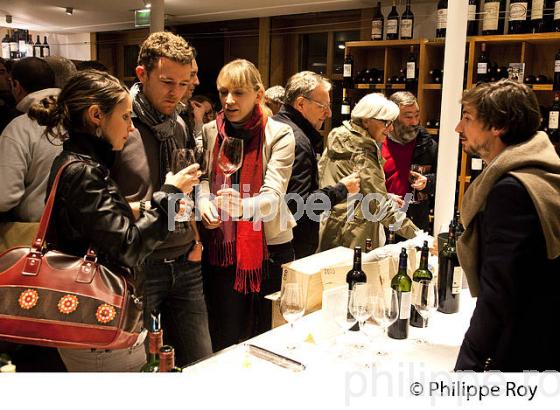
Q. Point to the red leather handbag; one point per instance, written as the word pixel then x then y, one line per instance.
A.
pixel 49 298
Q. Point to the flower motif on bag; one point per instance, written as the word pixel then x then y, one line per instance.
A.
pixel 105 313
pixel 28 299
pixel 68 304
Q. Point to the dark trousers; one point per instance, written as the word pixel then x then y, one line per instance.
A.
pixel 235 316
pixel 175 289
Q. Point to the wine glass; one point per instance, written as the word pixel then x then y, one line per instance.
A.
pixel 182 158
pixel 412 179
pixel 230 157
pixel 385 309
pixel 291 306
pixel 360 305
pixel 424 299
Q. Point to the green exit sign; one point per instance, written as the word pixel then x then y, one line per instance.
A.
pixel 142 18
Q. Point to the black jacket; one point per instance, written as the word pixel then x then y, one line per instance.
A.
pixel 512 327
pixel 305 178
pixel 90 210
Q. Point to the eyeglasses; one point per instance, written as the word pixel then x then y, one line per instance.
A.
pixel 325 107
pixel 387 123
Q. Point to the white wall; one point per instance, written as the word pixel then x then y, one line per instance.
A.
pixel 72 46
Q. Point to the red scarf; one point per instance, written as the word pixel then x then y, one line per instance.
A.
pixel 245 237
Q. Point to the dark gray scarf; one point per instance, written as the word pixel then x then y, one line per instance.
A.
pixel 162 126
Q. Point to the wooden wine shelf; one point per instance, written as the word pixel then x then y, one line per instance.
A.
pixel 432 86
pixel 540 87
pixel 433 131
pixel 537 38
pixel 384 43
pixel 379 86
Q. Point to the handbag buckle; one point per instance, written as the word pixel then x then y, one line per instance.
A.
pixel 32 264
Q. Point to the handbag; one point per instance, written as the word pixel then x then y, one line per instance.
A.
pixel 49 298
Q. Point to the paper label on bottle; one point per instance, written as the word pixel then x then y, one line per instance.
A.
pixel 441 19
pixel 557 66
pixel 405 299
pixel 557 10
pixel 377 30
pixel 471 16
pixel 345 109
pixel 6 51
pixel 537 10
pixel 14 47
pixel 553 120
pixel 457 280
pixel 347 70
pixel 406 28
pixel 37 52
pixel 482 68
pixel 491 16
pixel 518 11
pixel 392 26
pixel 46 52
pixel 476 164
pixel 410 70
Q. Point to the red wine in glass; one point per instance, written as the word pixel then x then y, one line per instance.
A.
pixel 230 157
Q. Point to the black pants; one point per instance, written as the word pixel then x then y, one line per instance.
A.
pixel 235 316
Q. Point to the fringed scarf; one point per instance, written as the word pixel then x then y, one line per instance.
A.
pixel 241 243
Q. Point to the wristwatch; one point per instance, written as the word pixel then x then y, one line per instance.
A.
pixel 142 207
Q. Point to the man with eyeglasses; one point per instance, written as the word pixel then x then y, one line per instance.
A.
pixel 306 107
pixel 410 144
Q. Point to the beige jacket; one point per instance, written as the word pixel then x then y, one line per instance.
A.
pixel 269 205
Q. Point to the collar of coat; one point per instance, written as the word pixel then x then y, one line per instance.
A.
pixel 289 113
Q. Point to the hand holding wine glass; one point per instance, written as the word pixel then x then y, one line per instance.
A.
pixel 424 299
pixel 291 306
pixel 417 181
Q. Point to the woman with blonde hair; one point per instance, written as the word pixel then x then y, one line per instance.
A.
pixel 360 139
pixel 249 233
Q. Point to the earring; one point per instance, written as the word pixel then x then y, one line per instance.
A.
pixel 98 132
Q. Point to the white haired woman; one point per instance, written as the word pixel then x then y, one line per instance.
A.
pixel 371 121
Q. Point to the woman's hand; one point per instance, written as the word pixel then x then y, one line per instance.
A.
pixel 352 183
pixel 230 201
pixel 185 179
pixel 420 181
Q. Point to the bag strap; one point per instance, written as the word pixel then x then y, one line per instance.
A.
pixel 37 245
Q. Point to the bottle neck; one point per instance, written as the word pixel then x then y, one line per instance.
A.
pixel 357 259
pixel 424 259
pixel 156 341
pixel 402 265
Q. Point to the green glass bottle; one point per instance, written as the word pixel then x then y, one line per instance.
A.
pixel 422 273
pixel 403 285
pixel 450 275
pixel 167 360
pixel 155 336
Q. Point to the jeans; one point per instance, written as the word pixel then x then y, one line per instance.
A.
pixel 235 316
pixel 174 288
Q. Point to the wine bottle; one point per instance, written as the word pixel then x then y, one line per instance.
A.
pixel 355 275
pixel 167 360
pixel 482 65
pixel 37 48
pixel 348 72
pixel 22 46
pixel 411 80
pixel 450 276
pixel 402 284
pixel 29 46
pixel 369 245
pixel 155 337
pixel 6 47
pixel 345 107
pixel 553 119
pixel 556 81
pixel 556 16
pixel 538 24
pixel 472 23
pixel 493 20
pixel 393 23
pixel 407 23
pixel 518 16
pixel 422 273
pixel 46 47
pixel 14 51
pixel 391 239
pixel 441 25
pixel 377 23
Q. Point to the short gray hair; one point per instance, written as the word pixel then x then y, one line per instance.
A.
pixel 275 93
pixel 403 98
pixel 62 68
pixel 375 105
pixel 303 84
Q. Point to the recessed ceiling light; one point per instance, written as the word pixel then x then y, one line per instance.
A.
pixel 147 4
pixel 8 19
pixel 69 10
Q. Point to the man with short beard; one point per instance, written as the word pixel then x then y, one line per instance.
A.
pixel 409 144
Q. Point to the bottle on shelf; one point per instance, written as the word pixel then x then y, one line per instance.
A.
pixel 402 284
pixel 556 81
pixel 411 80
pixel 482 65
pixel 155 338
pixel 348 72
pixel 407 23
pixel 345 106
pixel 450 275
pixel 518 16
pixel 393 23
pixel 556 16
pixel 22 43
pixel 46 47
pixel 441 24
pixel 553 119
pixel 541 79
pixel 29 46
pixel 37 48
pixel 167 360
pixel 422 273
pixel 369 245
pixel 6 47
pixel 355 275
pixel 493 17
pixel 538 21
pixel 472 23
pixel 377 23
pixel 14 49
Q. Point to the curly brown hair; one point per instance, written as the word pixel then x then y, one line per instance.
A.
pixel 165 44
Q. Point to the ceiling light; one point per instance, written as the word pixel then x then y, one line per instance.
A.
pixel 8 19
pixel 147 4
pixel 69 10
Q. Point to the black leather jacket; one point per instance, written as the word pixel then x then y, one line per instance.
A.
pixel 90 210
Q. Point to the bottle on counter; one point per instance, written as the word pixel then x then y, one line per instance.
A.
pixel 167 360
pixel 402 284
pixel 355 275
pixel 422 273
pixel 155 338
pixel 450 275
